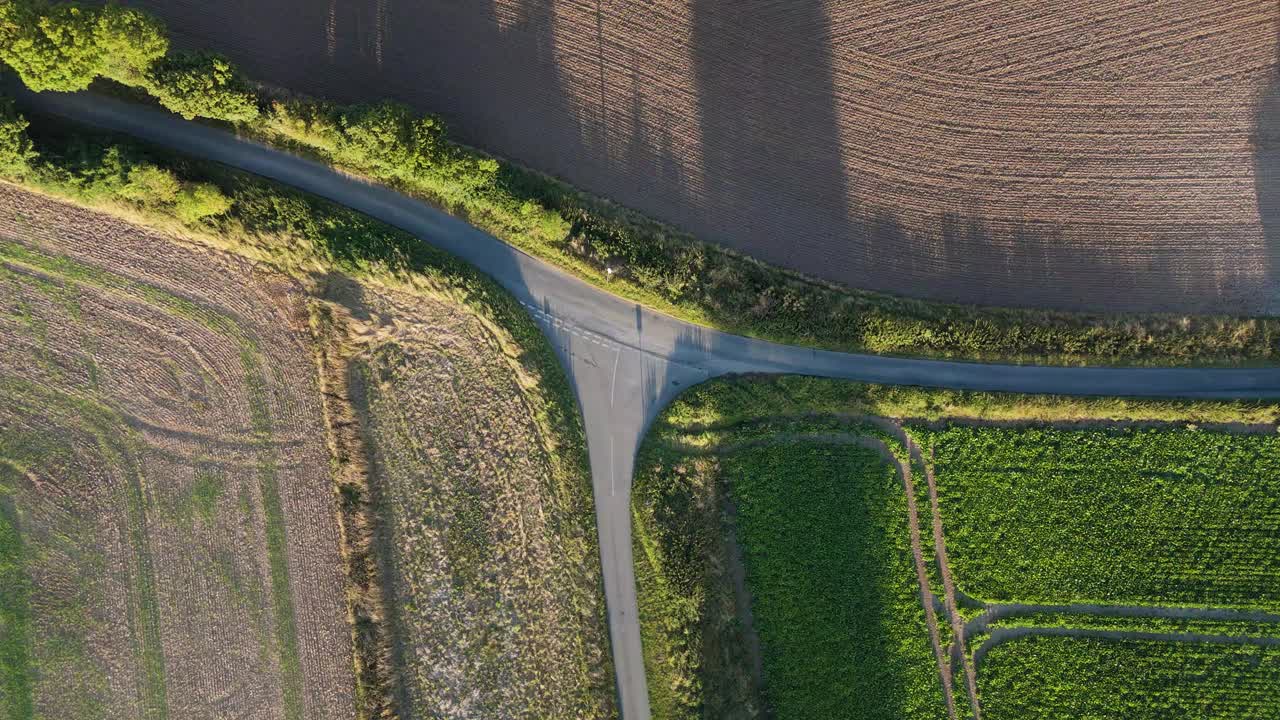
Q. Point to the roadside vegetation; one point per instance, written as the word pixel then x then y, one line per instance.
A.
pixel 62 46
pixel 528 637
pixel 1091 542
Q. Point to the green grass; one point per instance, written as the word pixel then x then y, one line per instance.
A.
pixel 1059 678
pixel 1122 516
pixel 277 545
pixel 822 524
pixel 205 493
pixel 17 676
pixel 1179 626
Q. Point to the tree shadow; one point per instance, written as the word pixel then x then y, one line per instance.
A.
pixel 1266 175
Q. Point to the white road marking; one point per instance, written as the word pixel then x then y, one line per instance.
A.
pixel 613 382
pixel 613 480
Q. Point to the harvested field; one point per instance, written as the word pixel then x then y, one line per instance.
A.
pixel 486 516
pixel 1118 155
pixel 167 530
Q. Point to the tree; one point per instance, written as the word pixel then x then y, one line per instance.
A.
pixel 200 201
pixel 57 50
pixel 16 152
pixel 131 42
pixel 379 137
pixel 64 47
pixel 202 85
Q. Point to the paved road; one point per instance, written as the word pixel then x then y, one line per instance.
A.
pixel 627 362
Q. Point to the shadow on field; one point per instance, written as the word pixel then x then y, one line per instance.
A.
pixel 1266 174
pixel 766 102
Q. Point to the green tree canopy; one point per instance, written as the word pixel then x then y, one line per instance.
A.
pixel 131 41
pixel 200 201
pixel 16 152
pixel 64 47
pixel 202 85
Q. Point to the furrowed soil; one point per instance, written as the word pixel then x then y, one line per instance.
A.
pixel 1117 155
pixel 168 540
pixel 493 577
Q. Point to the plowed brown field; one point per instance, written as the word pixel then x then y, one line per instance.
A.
pixel 1119 154
pixel 168 539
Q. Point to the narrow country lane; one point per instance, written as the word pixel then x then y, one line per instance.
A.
pixel 626 361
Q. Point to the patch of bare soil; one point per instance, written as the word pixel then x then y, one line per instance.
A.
pixel 1113 155
pixel 493 580
pixel 167 474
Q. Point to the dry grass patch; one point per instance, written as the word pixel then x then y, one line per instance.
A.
pixel 486 516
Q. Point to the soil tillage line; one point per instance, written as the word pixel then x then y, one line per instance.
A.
pixel 922 574
pixel 944 569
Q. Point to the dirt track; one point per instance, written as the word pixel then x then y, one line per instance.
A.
pixel 1120 154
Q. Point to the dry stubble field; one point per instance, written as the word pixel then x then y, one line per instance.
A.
pixel 167 529
pixel 1115 155
pixel 485 514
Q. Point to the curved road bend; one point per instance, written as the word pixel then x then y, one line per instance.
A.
pixel 625 361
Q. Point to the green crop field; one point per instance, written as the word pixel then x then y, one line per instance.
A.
pixel 1166 516
pixel 1101 560
pixel 821 521
pixel 1063 678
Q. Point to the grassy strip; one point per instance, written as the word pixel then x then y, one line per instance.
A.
pixel 1226 628
pixel 377 686
pixel 277 545
pixel 1112 516
pixel 731 401
pixel 17 677
pixel 827 563
pixel 1061 678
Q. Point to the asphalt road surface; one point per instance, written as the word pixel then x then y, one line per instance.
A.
pixel 626 361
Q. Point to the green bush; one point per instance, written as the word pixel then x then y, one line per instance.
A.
pixel 16 151
pixel 199 201
pixel 202 85
pixel 150 185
